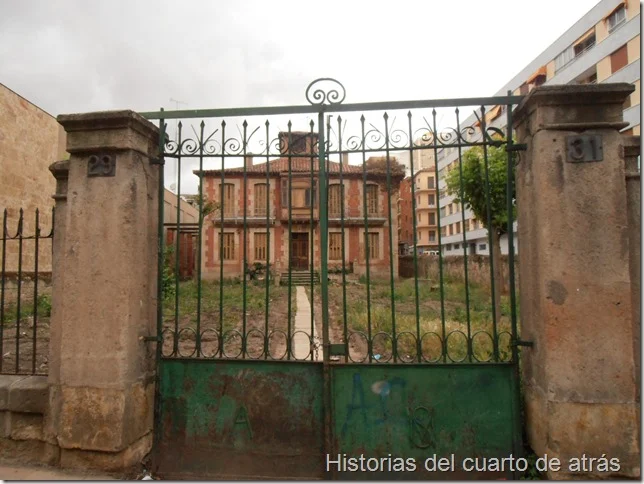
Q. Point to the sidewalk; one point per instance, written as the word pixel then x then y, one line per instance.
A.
pixel 34 473
pixel 302 331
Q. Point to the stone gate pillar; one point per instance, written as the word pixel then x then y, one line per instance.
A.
pixel 105 248
pixel 579 379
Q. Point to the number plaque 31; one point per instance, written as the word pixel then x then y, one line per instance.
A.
pixel 584 147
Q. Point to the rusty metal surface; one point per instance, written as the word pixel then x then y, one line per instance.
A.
pixel 239 419
pixel 420 411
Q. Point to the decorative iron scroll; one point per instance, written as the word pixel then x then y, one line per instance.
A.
pixel 374 135
pixel 330 91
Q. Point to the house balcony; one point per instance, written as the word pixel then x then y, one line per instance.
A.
pixel 419 190
pixel 299 214
pixel 252 220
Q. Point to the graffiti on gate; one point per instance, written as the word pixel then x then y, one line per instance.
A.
pixel 241 422
pixel 392 407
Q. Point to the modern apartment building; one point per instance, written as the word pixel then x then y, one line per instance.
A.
pixel 425 213
pixel 602 46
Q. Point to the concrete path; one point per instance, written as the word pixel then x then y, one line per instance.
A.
pixel 28 473
pixel 302 330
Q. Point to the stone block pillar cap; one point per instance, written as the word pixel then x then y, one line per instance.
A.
pixel 567 94
pixel 109 130
pixel 60 169
pixel 105 120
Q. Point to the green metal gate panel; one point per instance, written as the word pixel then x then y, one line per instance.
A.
pixel 419 412
pixel 239 419
pixel 431 369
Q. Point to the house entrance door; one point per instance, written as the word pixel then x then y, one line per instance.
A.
pixel 300 251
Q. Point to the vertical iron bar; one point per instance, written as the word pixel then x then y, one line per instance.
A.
pixel 324 229
pixel 245 242
pixel 18 303
pixel 415 236
pixel 324 289
pixel 201 204
pixel 3 285
pixel 342 230
pixel 222 209
pixel 394 339
pixel 290 242
pixel 312 198
pixel 35 309
pixel 518 448
pixel 160 279
pixel 510 207
pixel 365 210
pixel 461 192
pixel 177 243
pixel 489 234
pixel 440 239
pixel 268 241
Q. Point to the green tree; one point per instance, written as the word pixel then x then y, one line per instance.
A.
pixel 473 194
pixel 208 206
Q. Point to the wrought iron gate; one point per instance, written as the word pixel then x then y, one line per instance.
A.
pixel 414 369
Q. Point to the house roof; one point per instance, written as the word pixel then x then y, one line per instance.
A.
pixel 281 165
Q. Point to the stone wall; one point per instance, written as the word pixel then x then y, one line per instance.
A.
pixel 478 268
pixel 632 147
pixel 30 139
pixel 23 403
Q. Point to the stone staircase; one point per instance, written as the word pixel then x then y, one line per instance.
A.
pixel 300 278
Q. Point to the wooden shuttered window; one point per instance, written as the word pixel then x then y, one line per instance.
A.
pixel 260 199
pixel 335 246
pixel 372 199
pixel 228 246
pixel 229 200
pixel 260 246
pixel 374 245
pixel 335 200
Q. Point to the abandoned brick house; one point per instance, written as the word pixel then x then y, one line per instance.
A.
pixel 305 220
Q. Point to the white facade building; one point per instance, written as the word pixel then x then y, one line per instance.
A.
pixel 603 46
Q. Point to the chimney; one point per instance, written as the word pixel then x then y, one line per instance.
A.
pixel 345 159
pixel 248 160
pixel 300 142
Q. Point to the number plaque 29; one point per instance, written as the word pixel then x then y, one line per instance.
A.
pixel 584 147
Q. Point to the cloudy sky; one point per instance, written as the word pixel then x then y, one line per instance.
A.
pixel 78 55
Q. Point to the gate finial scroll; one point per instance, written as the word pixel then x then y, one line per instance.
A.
pixel 331 91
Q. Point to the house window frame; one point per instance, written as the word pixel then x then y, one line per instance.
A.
pixel 260 207
pixel 623 51
pixel 229 205
pixel 335 248
pixel 337 187
pixel 260 249
pixel 372 198
pixel 616 24
pixel 228 246
pixel 374 245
